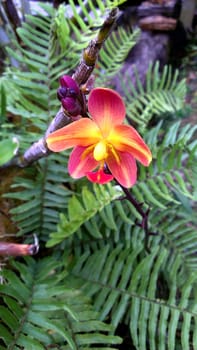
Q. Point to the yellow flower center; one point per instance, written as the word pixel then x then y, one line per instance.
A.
pixel 100 151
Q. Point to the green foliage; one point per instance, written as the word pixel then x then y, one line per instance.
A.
pixel 79 213
pixel 9 150
pixel 97 269
pixel 115 52
pixel 163 93
pixel 175 151
pixel 39 312
pixel 125 284
pixel 42 194
pixel 166 187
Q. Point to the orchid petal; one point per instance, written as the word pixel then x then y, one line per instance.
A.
pixel 83 132
pixel 99 177
pixel 126 139
pixel 123 168
pixel 106 108
pixel 81 162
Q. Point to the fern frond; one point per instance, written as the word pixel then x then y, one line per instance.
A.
pixel 175 152
pixel 26 296
pixel 34 84
pixel 42 198
pixel 124 284
pixel 85 17
pixel 81 211
pixel 37 311
pixel 114 52
pixel 163 93
pixel 178 234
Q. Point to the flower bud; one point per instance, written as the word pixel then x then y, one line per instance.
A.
pixel 69 95
pixel 71 105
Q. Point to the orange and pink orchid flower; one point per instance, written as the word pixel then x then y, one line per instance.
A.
pixel 104 147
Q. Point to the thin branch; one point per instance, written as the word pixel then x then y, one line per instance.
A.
pixel 17 249
pixel 12 15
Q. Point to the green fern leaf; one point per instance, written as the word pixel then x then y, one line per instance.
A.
pixel 114 53
pixel 163 93
pixel 81 211
pixel 34 313
pixel 125 287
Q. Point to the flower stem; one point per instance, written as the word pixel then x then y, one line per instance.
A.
pixel 144 214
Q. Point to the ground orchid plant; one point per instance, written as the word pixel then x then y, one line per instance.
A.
pixel 104 147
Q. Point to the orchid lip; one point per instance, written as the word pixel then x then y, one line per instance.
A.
pixel 99 176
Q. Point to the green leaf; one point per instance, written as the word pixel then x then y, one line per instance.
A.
pixel 8 150
pixel 81 211
pixel 46 311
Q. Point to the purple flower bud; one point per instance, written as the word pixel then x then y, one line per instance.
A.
pixel 69 95
pixel 71 105
pixel 68 82
pixel 62 93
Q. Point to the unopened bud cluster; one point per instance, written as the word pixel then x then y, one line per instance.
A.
pixel 69 95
